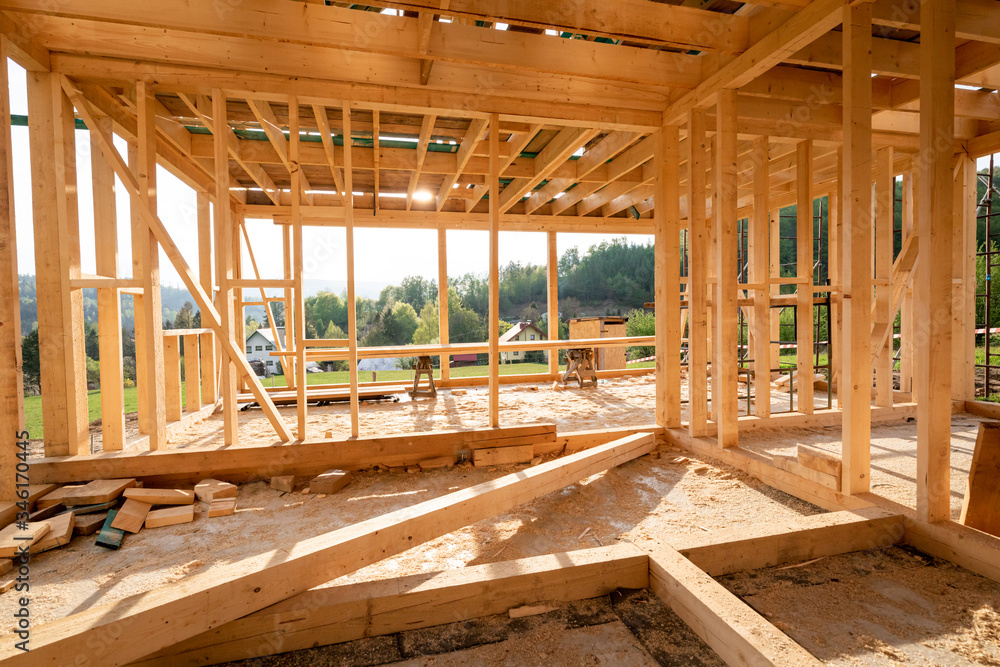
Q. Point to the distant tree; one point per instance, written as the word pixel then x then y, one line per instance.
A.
pixel 333 331
pixel 531 314
pixel 428 331
pixel 185 317
pixel 640 323
pixel 569 308
pixel 251 326
pixel 31 363
pixel 505 327
pixel 91 340
pixel 465 325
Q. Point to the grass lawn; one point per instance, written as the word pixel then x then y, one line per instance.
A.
pixel 33 404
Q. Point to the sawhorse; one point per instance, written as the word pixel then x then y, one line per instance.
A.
pixel 423 368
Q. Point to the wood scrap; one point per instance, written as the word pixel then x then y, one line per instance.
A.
pixel 222 507
pixel 530 610
pixel 60 533
pixel 47 512
pixel 6 565
pixel 109 537
pixel 7 585
pixel 820 460
pixel 459 392
pixel 791 465
pixel 131 516
pixel 97 492
pixel 436 463
pixel 161 496
pixel 88 524
pixel 330 482
pixel 981 506
pixel 170 516
pixel 38 491
pixel 8 512
pixel 14 537
pixel 284 483
pixel 80 510
pixel 208 490
pixel 498 456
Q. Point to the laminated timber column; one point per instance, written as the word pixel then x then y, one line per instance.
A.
pixel 239 310
pixel 963 381
pixel 11 380
pixel 698 243
pixel 724 373
pixel 775 289
pixel 667 198
pixel 109 316
pixel 208 344
pixel 760 274
pixel 494 278
pixel 149 254
pixel 352 312
pixel 57 261
pixel 933 321
pixel 288 265
pixel 804 347
pixel 885 194
pixel 855 388
pixel 552 306
pixel 443 299
pixel 906 364
pixel 298 249
pixel 836 257
pixel 224 265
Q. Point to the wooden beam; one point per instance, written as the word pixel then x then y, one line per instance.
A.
pixel 465 151
pixel 209 314
pixel 725 406
pixel 174 407
pixel 323 121
pixel 60 320
pixel 426 127
pixel 352 316
pixel 109 320
pixel 963 379
pixel 698 243
pixel 555 153
pixel 377 608
pixel 760 273
pixel 493 327
pixel 11 380
pixel 443 336
pixel 668 278
pixel 268 122
pixel 552 298
pixel 737 633
pixel 192 396
pixel 855 371
pixel 932 293
pixel 210 599
pixel 804 332
pixel 885 197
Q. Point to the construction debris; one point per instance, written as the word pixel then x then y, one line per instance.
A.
pixel 170 516
pixel 208 490
pixel 222 507
pixel 330 482
pixel 131 516
pixel 283 483
pixel 161 496
pixel 109 537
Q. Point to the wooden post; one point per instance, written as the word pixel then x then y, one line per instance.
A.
pixel 352 315
pixel 804 338
pixel 192 399
pixel 724 373
pixel 172 377
pixel 494 277
pixel 11 380
pixel 760 273
pixel 698 242
pixel 775 264
pixel 836 257
pixel 224 265
pixel 668 278
pixel 138 307
pixel 885 193
pixel 906 348
pixel 109 316
pixel 291 312
pixel 57 261
pixel 209 363
pixel 856 368
pixel 150 252
pixel 239 310
pixel 443 300
pixel 301 381
pixel 933 322
pixel 553 301
pixel 963 381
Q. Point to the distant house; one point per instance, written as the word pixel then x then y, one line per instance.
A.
pixel 518 332
pixel 259 346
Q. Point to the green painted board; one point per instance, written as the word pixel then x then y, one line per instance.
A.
pixel 109 537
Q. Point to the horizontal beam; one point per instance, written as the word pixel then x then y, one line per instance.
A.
pixel 374 608
pixel 212 598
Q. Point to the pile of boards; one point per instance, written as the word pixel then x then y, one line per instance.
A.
pixel 326 483
pixel 109 507
pixel 814 464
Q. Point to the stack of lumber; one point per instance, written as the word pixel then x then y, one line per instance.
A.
pixel 813 464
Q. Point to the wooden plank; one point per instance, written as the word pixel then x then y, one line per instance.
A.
pixel 667 278
pixel 885 193
pixel 698 243
pixel 443 337
pixel 209 599
pixel 55 497
pixel 760 273
pixel 981 506
pixel 222 507
pixel 172 377
pixel 209 368
pixel 790 540
pixel 208 490
pixel 493 328
pixel 725 408
pixel 552 297
pixel 791 465
pixel 131 516
pixel 170 516
pixel 737 633
pixel 110 538
pixel 59 534
pixel 965 245
pixel 352 315
pixel 820 460
pixel 332 481
pixel 284 483
pixel 161 496
pixel 308 459
pixel 192 393
pixel 855 370
pixel 499 456
pixel 11 377
pixel 97 492
pixel 369 609
pixel 14 538
pixel 88 524
pixel 933 289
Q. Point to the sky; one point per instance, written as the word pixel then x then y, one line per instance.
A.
pixel 381 255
